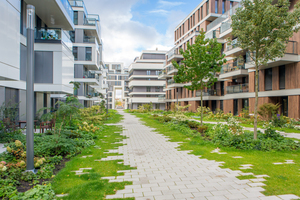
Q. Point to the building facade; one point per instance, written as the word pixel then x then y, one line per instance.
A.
pixel 144 85
pixel 278 81
pixel 87 51
pixel 54 61
pixel 117 81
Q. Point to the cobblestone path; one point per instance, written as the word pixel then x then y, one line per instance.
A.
pixel 163 172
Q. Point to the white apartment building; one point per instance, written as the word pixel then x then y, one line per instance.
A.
pixel 144 85
pixel 54 61
pixel 117 81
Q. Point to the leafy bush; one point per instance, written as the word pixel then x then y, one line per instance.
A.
pixel 202 129
pixel 38 192
pixel 267 110
pixel 192 124
pixel 222 135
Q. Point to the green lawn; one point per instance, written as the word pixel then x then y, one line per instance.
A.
pixel 284 179
pixel 91 186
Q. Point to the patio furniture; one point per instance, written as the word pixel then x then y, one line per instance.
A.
pixel 45 125
pixel 10 124
pixel 24 122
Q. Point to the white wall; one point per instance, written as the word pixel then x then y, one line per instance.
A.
pixel 10 39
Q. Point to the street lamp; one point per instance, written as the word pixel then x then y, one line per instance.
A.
pixel 30 88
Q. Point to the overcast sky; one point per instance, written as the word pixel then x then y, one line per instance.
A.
pixel 130 26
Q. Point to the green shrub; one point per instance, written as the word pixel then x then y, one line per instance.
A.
pixel 202 129
pixel 267 110
pixel 38 192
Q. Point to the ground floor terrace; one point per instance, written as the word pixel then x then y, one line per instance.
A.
pixel 289 105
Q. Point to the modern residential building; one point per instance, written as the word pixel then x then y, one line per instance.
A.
pixel 87 51
pixel 117 81
pixel 278 81
pixel 143 79
pixel 54 61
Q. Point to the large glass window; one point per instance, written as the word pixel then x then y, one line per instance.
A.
pixel 88 53
pixel 157 89
pixel 148 89
pixel 148 72
pixel 282 77
pixel 216 6
pixel 268 79
pixel 75 53
pixel 201 12
pixel 223 7
pixel 75 17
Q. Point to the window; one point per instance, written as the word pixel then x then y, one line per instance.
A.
pixel 88 53
pixel 157 89
pixel 183 28
pixel 157 106
pixel 148 72
pixel 194 19
pixel 72 36
pixel 216 6
pixel 199 15
pixel 75 17
pixel 201 12
pixel 223 7
pixel 207 7
pixel 148 89
pixel 188 24
pixel 157 73
pixel 282 77
pixel 268 79
pixel 148 95
pixel 75 53
pixel 221 105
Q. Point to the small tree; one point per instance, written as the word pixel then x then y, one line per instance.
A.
pixel 76 86
pixel 201 61
pixel 263 28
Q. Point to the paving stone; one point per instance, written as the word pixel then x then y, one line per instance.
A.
pixel 164 172
pixel 288 197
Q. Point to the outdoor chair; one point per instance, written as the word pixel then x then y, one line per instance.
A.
pixel 9 124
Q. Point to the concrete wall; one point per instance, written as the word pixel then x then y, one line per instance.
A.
pixel 22 105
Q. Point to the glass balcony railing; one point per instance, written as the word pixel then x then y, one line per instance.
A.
pixel 78 3
pixel 89 39
pixel 234 44
pixel 170 68
pixel 212 34
pixel 161 97
pixel 171 81
pixel 225 26
pixel 173 52
pixel 241 88
pixel 68 8
pixel 160 73
pixel 230 67
pixel 209 92
pixel 44 35
pixel 89 75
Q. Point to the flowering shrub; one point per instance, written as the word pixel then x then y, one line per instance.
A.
pixel 88 128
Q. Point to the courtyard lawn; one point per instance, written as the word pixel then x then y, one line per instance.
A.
pixel 91 186
pixel 283 178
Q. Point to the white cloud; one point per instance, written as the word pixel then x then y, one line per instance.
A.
pixel 159 11
pixel 169 4
pixel 122 37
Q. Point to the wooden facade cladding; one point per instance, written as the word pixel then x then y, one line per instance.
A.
pixel 275 78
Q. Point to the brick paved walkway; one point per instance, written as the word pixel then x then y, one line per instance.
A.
pixel 165 173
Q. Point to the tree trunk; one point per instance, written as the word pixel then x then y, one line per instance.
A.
pixel 256 99
pixel 201 107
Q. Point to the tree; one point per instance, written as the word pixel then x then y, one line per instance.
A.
pixel 76 86
pixel 201 61
pixel 263 28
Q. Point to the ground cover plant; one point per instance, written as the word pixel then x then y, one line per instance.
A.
pixel 282 178
pixel 74 132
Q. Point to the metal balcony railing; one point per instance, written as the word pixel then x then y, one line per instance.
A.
pixel 161 97
pixel 68 8
pixel 241 88
pixel 171 81
pixel 43 34
pixel 232 67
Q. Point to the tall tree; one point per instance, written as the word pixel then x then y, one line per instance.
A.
pixel 76 86
pixel 263 28
pixel 201 61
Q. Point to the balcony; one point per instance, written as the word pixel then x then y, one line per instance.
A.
pixel 290 56
pixel 90 40
pixel 78 3
pixel 233 70
pixel 52 35
pixel 214 34
pixel 55 13
pixel 92 26
pixel 174 55
pixel 209 92
pixel 90 78
pixel 233 50
pixel 241 88
pixel 136 83
pixel 161 98
pixel 171 70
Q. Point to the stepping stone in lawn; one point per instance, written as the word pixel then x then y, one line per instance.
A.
pixel 217 150
pixel 80 171
pixel 278 163
pixel 237 157
pixel 62 195
pixel 246 166
pixel 87 156
pixel 289 162
pixel 261 176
